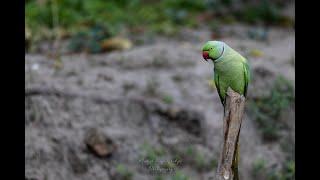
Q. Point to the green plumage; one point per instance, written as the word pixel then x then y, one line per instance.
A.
pixel 230 68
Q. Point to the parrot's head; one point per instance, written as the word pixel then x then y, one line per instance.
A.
pixel 212 50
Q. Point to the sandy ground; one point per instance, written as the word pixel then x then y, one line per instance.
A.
pixel 55 127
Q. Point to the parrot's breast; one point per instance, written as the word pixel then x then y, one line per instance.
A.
pixel 230 72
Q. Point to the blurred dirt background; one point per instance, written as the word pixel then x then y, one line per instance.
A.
pixel 139 102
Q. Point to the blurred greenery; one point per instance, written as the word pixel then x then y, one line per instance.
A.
pixel 261 171
pixel 196 158
pixel 123 172
pixel 267 110
pixel 137 15
pixel 89 40
pixel 264 11
pixel 113 14
pixel 168 99
pixel 179 176
pixel 151 154
pixel 259 166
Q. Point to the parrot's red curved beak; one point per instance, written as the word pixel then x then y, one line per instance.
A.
pixel 205 55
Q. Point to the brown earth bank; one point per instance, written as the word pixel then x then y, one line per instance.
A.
pixel 150 112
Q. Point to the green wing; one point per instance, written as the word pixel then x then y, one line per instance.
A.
pixel 216 81
pixel 246 77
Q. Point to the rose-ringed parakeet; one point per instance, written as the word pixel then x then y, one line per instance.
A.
pixel 230 68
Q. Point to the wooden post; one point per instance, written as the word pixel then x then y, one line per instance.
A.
pixel 233 113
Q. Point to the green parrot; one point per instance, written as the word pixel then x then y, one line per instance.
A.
pixel 230 68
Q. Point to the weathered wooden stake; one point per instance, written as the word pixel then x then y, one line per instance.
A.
pixel 233 113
